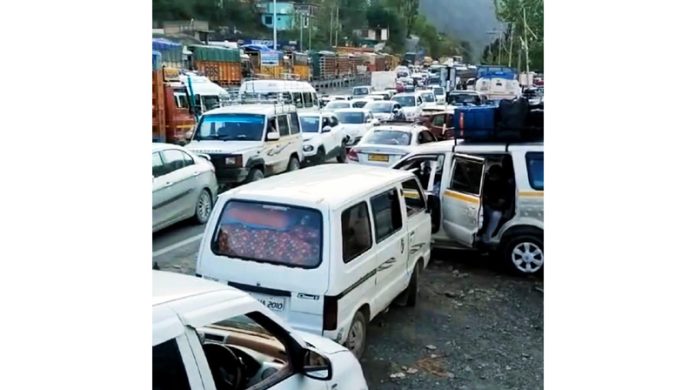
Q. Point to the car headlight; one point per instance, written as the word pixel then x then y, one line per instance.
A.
pixel 307 148
pixel 233 160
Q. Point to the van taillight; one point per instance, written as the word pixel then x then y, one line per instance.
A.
pixel 330 313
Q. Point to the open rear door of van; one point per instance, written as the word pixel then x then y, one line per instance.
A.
pixel 461 202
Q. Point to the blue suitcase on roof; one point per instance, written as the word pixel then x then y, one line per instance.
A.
pixel 474 123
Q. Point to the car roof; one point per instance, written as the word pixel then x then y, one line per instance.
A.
pixel 329 184
pixel 261 109
pixel 404 94
pixel 493 147
pixel 169 286
pixel 404 128
pixel 355 109
pixel 265 86
pixel 159 146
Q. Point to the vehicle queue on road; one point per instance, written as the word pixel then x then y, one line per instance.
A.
pixel 325 248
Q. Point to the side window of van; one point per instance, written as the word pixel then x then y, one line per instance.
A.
pixel 283 126
pixel 357 235
pixel 413 197
pixel 287 98
pixel 297 97
pixel 387 213
pixel 294 123
pixel 307 99
pixel 315 99
pixel 535 170
pixel 168 371
pixel 467 176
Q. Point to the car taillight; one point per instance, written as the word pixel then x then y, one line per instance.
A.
pixel 330 313
pixel 353 155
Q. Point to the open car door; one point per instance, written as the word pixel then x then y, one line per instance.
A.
pixel 462 212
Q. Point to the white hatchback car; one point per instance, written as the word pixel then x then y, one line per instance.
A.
pixel 411 104
pixel 183 186
pixel 323 137
pixel 355 122
pixel 206 335
pixel 386 144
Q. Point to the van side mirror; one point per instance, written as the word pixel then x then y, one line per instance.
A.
pixel 273 136
pixel 316 366
pixel 326 129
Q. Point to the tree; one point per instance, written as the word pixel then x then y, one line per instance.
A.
pixel 511 13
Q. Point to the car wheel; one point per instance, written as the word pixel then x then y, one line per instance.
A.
pixel 294 164
pixel 204 205
pixel 357 335
pixel 255 175
pixel 412 289
pixel 321 155
pixel 524 254
pixel 342 154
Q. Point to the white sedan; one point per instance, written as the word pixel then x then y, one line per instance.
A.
pixel 183 186
pixel 355 123
pixel 384 145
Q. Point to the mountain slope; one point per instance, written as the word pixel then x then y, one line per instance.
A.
pixel 469 20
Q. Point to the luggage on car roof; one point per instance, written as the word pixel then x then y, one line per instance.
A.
pixel 509 121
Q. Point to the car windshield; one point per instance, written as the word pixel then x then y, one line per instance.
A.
pixel 336 105
pixel 359 104
pixel 439 91
pixel 228 127
pixel 351 117
pixel 428 97
pixel 361 91
pixel 388 137
pixel 269 233
pixel 310 124
pixel 405 101
pixel 461 98
pixel 381 107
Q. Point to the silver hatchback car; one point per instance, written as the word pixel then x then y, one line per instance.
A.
pixel 183 186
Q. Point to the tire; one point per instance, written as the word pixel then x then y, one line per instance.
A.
pixel 255 175
pixel 341 158
pixel 204 207
pixel 294 164
pixel 524 254
pixel 412 289
pixel 357 335
pixel 321 156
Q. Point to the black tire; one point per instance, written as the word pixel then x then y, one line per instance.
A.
pixel 412 289
pixel 359 325
pixel 204 207
pixel 341 158
pixel 524 253
pixel 255 175
pixel 321 156
pixel 293 164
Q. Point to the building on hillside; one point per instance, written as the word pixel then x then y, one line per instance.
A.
pixel 285 14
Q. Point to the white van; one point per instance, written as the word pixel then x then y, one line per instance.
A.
pixel 207 95
pixel 209 336
pixel 327 248
pixel 247 142
pixel 299 93
pixel 458 175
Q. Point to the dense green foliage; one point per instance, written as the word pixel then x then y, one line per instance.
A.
pixel 511 13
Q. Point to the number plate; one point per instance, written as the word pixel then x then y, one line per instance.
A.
pixel 276 304
pixel 378 157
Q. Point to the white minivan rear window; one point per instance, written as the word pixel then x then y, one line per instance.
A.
pixel 269 233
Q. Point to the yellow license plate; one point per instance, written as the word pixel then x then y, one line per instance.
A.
pixel 378 157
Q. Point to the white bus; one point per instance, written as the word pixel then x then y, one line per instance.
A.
pixel 299 93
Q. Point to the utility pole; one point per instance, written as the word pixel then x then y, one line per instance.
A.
pixel 526 42
pixel 500 47
pixel 309 23
pixel 512 44
pixel 301 28
pixel 275 29
pixel 338 23
pixel 331 26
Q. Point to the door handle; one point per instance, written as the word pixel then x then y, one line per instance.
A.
pixel 196 173
pixel 413 234
pixel 168 184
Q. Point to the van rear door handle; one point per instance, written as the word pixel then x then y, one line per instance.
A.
pixel 196 173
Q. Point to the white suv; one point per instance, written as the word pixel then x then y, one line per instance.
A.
pixel 247 142
pixel 209 336
pixel 323 137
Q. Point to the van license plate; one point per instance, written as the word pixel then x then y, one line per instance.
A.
pixel 276 304
pixel 378 157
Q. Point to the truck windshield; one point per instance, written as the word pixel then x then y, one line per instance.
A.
pixel 310 124
pixel 269 233
pixel 230 127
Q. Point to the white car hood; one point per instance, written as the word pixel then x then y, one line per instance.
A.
pixel 217 147
pixel 309 136
pixel 322 344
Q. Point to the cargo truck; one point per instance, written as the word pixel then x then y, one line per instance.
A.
pixel 172 116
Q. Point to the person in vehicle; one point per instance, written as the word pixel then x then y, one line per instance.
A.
pixel 494 201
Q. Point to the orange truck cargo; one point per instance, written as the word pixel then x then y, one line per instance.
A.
pixel 171 117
